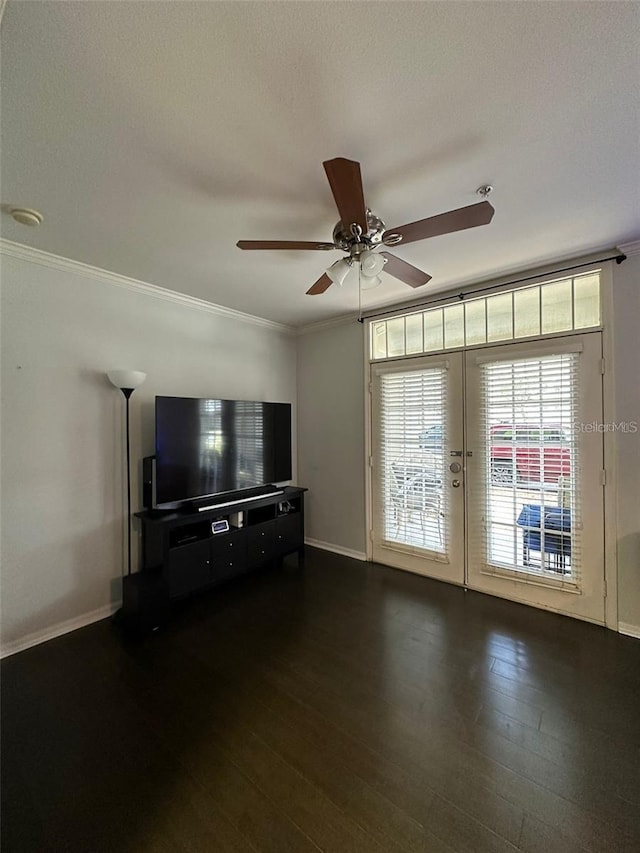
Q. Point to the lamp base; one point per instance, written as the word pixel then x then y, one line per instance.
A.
pixel 145 603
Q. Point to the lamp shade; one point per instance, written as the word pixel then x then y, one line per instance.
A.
pixel 126 378
pixel 368 282
pixel 338 271
pixel 371 263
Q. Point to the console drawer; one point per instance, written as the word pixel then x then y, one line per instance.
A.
pixel 228 555
pixel 261 543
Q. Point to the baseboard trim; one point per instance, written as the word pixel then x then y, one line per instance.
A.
pixel 629 630
pixel 58 630
pixel 336 549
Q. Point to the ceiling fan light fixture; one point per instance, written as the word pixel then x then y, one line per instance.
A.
pixel 371 263
pixel 368 282
pixel 339 270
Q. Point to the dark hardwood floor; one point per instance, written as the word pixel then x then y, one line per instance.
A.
pixel 342 707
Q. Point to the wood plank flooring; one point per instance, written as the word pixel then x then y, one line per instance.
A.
pixel 343 707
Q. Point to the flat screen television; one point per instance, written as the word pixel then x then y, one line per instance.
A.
pixel 207 447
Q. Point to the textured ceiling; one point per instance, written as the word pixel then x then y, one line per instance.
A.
pixel 153 136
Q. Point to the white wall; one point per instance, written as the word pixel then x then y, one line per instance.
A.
pixel 331 429
pixel 626 329
pixel 62 426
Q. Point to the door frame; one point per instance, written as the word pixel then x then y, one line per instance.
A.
pixel 610 456
pixel 608 408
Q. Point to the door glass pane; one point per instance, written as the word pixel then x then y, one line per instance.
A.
pixel 531 473
pixel 433 331
pixel 453 326
pixel 413 333
pixel 475 321
pixel 526 309
pixel 557 309
pixel 413 441
pixel 379 339
pixel 586 301
pixel 395 336
pixel 499 317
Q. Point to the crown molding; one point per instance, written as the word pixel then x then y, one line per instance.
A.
pixel 46 259
pixel 632 248
pixel 321 325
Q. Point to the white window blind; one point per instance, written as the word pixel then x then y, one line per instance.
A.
pixel 412 439
pixel 531 467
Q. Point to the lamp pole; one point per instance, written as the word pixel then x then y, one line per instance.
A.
pixel 127 394
pixel 127 381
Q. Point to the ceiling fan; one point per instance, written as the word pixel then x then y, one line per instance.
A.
pixel 360 233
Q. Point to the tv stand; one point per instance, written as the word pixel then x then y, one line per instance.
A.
pixel 182 555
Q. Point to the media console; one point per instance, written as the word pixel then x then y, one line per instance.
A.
pixel 186 552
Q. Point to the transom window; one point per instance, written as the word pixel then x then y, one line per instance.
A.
pixel 549 308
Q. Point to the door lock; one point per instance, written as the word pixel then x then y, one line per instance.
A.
pixel 455 484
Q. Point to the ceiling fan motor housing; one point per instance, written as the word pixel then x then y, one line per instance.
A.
pixel 344 239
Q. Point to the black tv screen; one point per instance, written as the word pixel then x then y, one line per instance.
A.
pixel 205 447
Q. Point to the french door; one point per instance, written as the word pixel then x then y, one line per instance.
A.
pixel 486 471
pixel 418 503
pixel 534 487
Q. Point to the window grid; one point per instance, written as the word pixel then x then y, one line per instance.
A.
pixel 575 301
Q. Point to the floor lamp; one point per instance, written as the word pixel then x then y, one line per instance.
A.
pixel 127 381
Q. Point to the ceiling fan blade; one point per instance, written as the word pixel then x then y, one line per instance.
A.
pixel 405 272
pixel 444 223
pixel 322 284
pixel 345 181
pixel 283 244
